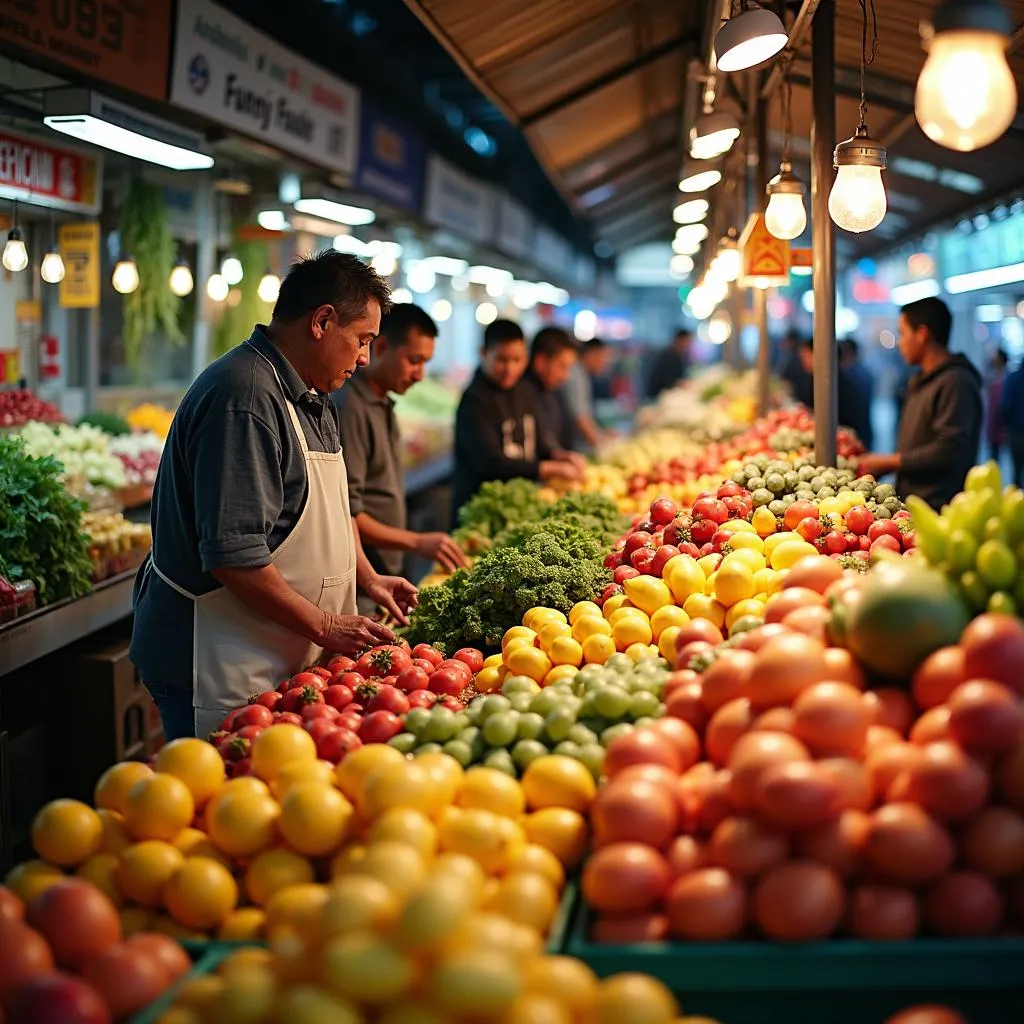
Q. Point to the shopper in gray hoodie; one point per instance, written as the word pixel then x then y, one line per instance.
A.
pixel 942 417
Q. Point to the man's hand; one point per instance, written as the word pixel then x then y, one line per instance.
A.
pixel 394 594
pixel 878 465
pixel 439 547
pixel 558 469
pixel 352 634
pixel 574 457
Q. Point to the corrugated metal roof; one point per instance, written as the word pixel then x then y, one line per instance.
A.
pixel 598 88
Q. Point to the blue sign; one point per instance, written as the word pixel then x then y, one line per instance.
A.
pixel 391 160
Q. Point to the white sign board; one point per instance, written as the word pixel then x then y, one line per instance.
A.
pixel 229 72
pixel 514 234
pixel 458 202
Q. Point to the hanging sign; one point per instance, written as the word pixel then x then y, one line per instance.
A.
pixel 36 172
pixel 229 72
pixel 458 202
pixel 392 160
pixel 49 357
pixel 79 246
pixel 126 44
pixel 765 257
pixel 10 365
pixel 801 258
pixel 514 234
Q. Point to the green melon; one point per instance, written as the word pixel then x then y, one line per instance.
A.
pixel 904 612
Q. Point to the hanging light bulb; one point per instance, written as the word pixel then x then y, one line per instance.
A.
pixel 690 233
pixel 269 286
pixel 420 277
pixel 486 313
pixel 217 288
pixel 966 95
pixel 15 257
pixel 401 297
pixel 729 261
pixel 181 281
pixel 441 310
pixel 231 269
pixel 857 201
pixel 699 176
pixel 51 270
pixel 125 277
pixel 749 38
pixel 690 212
pixel 680 265
pixel 685 246
pixel 719 329
pixel 713 135
pixel 785 216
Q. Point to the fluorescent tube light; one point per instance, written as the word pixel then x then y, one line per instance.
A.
pixel 340 213
pixel 978 279
pixel 904 293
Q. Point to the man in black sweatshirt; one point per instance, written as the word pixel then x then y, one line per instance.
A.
pixel 497 434
pixel 941 423
pixel 553 355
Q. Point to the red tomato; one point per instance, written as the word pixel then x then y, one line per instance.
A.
pixel 318 726
pixel 311 712
pixel 322 672
pixel 338 696
pixel 57 997
pixel 228 724
pixel 386 660
pixel 287 716
pixel 413 678
pixel 470 656
pixel 239 768
pixel 447 682
pixel 24 954
pixel 422 698
pixel 340 663
pixel 457 666
pixel 351 679
pixel 425 652
pixel 296 699
pixel 252 714
pixel 389 698
pixel 165 950
pixel 269 699
pixel 128 978
pixel 76 919
pixel 301 679
pixel 234 747
pixel 425 664
pixel 451 703
pixel 379 727
pixel 334 744
pixel 859 519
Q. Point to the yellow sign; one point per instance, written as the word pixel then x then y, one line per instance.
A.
pixel 10 365
pixel 28 311
pixel 800 258
pixel 765 257
pixel 80 250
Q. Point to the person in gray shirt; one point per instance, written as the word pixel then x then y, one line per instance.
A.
pixel 373 456
pixel 255 562
pixel 595 358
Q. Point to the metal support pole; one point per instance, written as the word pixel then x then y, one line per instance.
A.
pixel 764 363
pixel 823 140
pixel 206 256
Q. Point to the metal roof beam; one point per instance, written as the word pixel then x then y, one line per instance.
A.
pixel 627 168
pixel 635 194
pixel 609 78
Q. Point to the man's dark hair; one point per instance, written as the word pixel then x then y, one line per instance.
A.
pixel 330 278
pixel 594 345
pixel 849 348
pixel 932 313
pixel 500 331
pixel 552 341
pixel 683 332
pixel 396 324
pixel 1000 357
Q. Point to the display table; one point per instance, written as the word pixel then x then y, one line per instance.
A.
pixel 34 636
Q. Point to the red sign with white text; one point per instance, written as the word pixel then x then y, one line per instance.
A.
pixel 35 172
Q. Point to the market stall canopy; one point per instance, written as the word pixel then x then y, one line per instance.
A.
pixel 599 89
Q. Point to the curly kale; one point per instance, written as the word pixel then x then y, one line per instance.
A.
pixel 553 568
pixel 497 506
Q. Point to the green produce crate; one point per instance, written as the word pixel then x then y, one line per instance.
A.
pixel 836 982
pixel 206 960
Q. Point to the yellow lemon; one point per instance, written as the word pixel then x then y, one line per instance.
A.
pixel 632 629
pixel 517 633
pixel 590 625
pixel 700 606
pixel 763 522
pixel 537 617
pixel 765 579
pixel 528 661
pixel 785 556
pixel 670 615
pixel 582 608
pixel 741 609
pixel 772 542
pixel 597 649
pixel 831 507
pixel 754 560
pixel 487 679
pixel 737 526
pixel 637 652
pixel 550 632
pixel 566 651
pixel 709 584
pixel 614 603
pixel 560 672
pixel 519 641
pixel 493 661
pixel 648 593
pixel 733 582
pixel 667 643
pixel 746 542
pixel 625 613
pixel 709 564
pixel 684 577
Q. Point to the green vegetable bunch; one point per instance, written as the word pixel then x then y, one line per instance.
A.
pixel 40 526
pixel 554 564
pixel 108 422
pixel 497 506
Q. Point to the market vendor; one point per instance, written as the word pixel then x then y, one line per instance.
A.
pixel 496 427
pixel 940 428
pixel 373 456
pixel 255 561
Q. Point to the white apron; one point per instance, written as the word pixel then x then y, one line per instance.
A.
pixel 236 652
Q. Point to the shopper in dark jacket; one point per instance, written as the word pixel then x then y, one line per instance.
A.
pixel 671 364
pixel 553 355
pixel 941 424
pixel 853 411
pixel 497 436
pixel 1011 409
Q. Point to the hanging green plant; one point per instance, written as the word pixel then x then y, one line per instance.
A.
pixel 238 320
pixel 146 235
